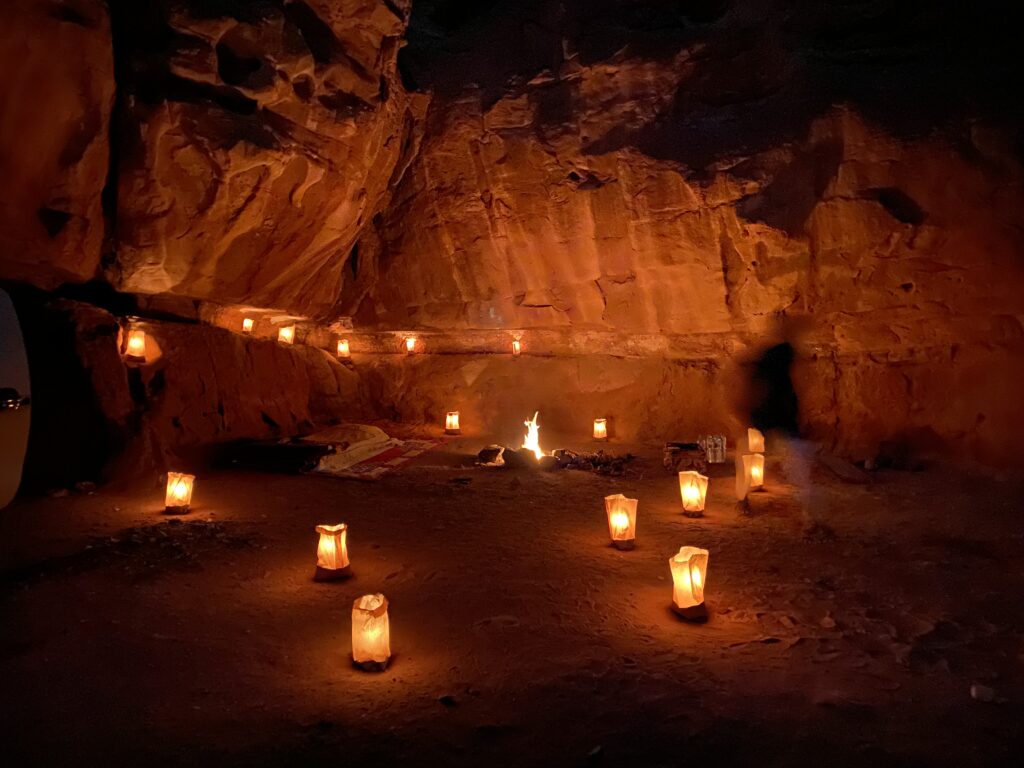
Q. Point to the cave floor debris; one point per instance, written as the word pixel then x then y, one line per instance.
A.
pixel 520 637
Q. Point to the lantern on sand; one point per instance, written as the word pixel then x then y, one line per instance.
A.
pixel 332 553
pixel 517 347
pixel 286 334
pixel 621 520
pixel 693 488
pixel 689 569
pixel 343 350
pixel 749 474
pixel 755 440
pixel 371 634
pixel 600 429
pixel 247 324
pixel 451 423
pixel 135 348
pixel 410 344
pixel 178 496
pixel 753 467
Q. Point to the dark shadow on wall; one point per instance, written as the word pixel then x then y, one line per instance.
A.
pixel 70 441
pixel 761 71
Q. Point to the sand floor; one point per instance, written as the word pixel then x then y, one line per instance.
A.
pixel 520 636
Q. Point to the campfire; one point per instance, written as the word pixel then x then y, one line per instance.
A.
pixel 532 440
pixel 531 455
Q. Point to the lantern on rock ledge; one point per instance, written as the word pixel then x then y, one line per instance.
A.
pixel 178 497
pixel 135 348
pixel 600 429
pixel 410 345
pixel 343 350
pixel 286 334
pixel 689 575
pixel 517 347
pixel 693 488
pixel 332 553
pixel 247 324
pixel 371 634
pixel 451 423
pixel 621 520
pixel 755 440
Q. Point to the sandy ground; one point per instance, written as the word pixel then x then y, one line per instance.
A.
pixel 520 637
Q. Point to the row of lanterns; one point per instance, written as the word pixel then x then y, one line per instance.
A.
pixel 135 348
pixel 451 426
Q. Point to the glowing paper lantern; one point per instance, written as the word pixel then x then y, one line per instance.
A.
pixel 247 324
pixel 451 423
pixel 343 350
pixel 753 468
pixel 693 488
pixel 621 520
pixel 286 334
pixel 178 497
pixel 749 474
pixel 600 429
pixel 516 347
pixel 755 440
pixel 410 344
pixel 135 349
pixel 371 634
pixel 689 575
pixel 332 553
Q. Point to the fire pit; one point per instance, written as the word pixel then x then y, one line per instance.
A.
pixel 531 456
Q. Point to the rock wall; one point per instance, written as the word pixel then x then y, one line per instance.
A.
pixel 55 104
pixel 200 386
pixel 258 141
pixel 701 175
pixel 651 191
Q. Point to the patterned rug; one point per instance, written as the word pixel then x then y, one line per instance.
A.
pixel 397 453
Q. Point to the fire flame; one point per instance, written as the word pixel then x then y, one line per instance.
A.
pixel 532 441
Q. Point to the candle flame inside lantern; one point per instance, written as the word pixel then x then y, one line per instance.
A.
pixel 749 474
pixel 410 344
pixel 532 440
pixel 247 324
pixel 451 423
pixel 136 344
pixel 332 549
pixel 621 513
pixel 179 491
pixel 688 568
pixel 286 334
pixel 600 429
pixel 343 350
pixel 371 632
pixel 755 440
pixel 516 347
pixel 693 488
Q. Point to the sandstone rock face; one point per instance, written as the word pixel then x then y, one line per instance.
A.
pixel 206 385
pixel 698 182
pixel 200 386
pixel 646 193
pixel 55 104
pixel 258 141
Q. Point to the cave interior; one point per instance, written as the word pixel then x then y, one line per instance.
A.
pixel 537 382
